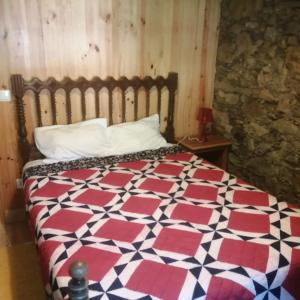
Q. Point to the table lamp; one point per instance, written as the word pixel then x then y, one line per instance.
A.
pixel 204 117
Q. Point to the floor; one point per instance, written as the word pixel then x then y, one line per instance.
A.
pixel 17 252
pixel 3 239
pixel 14 233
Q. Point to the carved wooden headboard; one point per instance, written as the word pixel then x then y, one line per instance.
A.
pixel 20 86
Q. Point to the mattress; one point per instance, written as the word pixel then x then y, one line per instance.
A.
pixel 161 224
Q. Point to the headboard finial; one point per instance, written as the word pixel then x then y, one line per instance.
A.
pixel 17 85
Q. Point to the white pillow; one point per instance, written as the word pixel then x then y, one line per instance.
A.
pixel 67 142
pixel 136 136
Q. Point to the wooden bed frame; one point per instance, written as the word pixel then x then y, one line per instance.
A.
pixel 20 86
pixel 78 284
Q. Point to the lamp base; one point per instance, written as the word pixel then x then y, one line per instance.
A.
pixel 202 134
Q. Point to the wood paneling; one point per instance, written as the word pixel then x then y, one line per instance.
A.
pixel 105 37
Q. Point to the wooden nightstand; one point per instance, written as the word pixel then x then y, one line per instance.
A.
pixel 215 150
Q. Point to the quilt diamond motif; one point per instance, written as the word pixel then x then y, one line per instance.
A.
pixel 165 286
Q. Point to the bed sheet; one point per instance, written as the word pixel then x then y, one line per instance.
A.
pixel 162 224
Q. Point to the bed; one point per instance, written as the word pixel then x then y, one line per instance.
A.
pixel 153 224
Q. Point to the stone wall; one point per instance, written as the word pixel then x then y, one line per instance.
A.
pixel 257 92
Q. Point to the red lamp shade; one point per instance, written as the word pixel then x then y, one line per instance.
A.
pixel 204 117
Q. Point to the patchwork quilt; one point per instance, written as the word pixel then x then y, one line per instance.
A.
pixel 162 224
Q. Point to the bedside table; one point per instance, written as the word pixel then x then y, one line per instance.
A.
pixel 215 149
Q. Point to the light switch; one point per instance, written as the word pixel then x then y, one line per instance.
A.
pixel 5 95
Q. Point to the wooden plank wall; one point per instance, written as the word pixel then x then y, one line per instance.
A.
pixel 105 37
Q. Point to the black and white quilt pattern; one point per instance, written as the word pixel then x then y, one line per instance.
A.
pixel 168 226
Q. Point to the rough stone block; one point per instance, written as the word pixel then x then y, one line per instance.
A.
pixel 257 92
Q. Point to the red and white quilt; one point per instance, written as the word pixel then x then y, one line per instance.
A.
pixel 162 224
